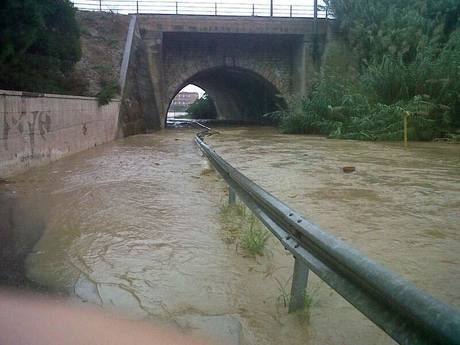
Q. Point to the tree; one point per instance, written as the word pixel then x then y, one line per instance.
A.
pixel 39 44
pixel 202 108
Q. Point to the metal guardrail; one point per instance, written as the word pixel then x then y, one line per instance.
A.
pixel 201 7
pixel 407 314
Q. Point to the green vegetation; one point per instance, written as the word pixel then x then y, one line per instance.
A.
pixel 284 298
pixel 398 57
pixel 109 89
pixel 244 228
pixel 202 108
pixel 254 237
pixel 232 215
pixel 39 45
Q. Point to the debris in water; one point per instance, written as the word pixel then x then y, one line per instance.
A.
pixel 348 169
pixel 206 168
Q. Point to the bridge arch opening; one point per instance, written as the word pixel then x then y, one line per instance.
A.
pixel 239 94
pixel 191 102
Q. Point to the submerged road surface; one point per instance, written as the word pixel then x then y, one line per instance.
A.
pixel 134 225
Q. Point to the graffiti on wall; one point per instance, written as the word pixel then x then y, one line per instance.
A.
pixel 27 124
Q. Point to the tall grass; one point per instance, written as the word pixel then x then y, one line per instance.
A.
pixel 284 298
pixel 241 226
pixel 254 237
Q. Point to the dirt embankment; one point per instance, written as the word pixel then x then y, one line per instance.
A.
pixel 103 37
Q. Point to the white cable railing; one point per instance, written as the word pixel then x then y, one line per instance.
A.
pixel 203 7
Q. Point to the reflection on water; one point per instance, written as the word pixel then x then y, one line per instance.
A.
pixel 134 225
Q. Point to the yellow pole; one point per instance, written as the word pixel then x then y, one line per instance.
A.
pixel 406 115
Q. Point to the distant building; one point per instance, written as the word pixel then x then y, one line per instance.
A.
pixel 182 101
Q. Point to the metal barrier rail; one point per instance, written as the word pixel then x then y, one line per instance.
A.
pixel 407 314
pixel 185 7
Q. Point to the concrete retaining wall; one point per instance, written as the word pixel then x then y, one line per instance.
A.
pixel 36 129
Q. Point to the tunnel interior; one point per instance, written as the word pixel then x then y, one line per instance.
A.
pixel 238 94
pixel 242 73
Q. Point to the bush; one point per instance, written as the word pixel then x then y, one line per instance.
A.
pixel 108 91
pixel 409 57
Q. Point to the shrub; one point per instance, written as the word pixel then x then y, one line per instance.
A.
pixel 108 91
pixel 410 62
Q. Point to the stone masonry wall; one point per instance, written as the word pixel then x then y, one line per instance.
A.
pixel 274 55
pixel 139 112
pixel 185 55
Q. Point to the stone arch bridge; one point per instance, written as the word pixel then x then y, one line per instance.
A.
pixel 248 65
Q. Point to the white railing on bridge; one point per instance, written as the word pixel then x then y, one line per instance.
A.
pixel 279 8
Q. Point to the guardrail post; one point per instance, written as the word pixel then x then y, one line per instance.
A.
pixel 253 10
pixel 137 7
pixel 231 196
pixel 177 7
pixel 290 11
pixel 100 5
pixel 299 284
pixel 215 8
pixel 271 8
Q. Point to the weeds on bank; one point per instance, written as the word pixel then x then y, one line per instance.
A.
pixel 228 212
pixel 254 237
pixel 243 228
pixel 284 298
pixel 109 90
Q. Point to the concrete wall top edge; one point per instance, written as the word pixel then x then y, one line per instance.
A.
pixel 47 95
pixel 225 17
pixel 228 24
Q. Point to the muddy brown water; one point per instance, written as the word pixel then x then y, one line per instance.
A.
pixel 134 225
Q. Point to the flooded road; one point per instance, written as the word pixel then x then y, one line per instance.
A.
pixel 134 225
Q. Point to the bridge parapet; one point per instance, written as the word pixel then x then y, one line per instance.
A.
pixel 231 24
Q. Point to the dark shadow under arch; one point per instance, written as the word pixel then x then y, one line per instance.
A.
pixel 239 94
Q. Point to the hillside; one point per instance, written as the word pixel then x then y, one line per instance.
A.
pixel 103 38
